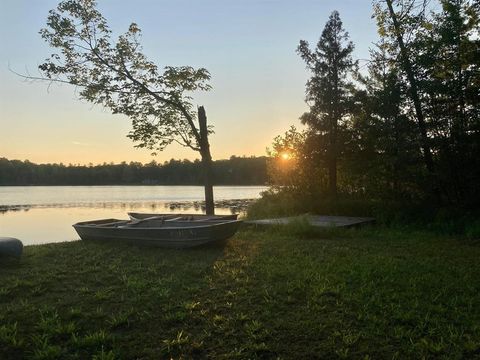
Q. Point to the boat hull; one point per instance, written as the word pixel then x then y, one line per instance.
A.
pixel 10 246
pixel 157 233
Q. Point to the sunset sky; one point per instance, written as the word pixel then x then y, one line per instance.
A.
pixel 247 45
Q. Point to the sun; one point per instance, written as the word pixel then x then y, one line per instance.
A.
pixel 285 156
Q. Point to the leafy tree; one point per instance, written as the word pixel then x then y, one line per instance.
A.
pixel 450 57
pixel 397 20
pixel 383 156
pixel 117 75
pixel 438 54
pixel 286 163
pixel 328 92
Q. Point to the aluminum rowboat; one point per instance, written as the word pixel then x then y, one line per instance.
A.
pixel 172 234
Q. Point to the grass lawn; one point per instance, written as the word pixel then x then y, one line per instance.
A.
pixel 290 293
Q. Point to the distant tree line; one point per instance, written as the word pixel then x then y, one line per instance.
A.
pixel 407 126
pixel 233 171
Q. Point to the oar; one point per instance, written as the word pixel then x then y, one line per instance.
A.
pixel 177 219
pixel 138 221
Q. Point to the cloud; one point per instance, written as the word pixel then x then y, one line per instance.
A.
pixel 80 143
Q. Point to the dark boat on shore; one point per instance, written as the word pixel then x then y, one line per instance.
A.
pixel 181 217
pixel 158 232
pixel 10 246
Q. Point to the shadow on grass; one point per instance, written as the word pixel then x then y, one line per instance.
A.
pixel 77 299
pixel 284 292
pixel 7 261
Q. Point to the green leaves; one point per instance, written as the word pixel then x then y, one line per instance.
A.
pixel 118 76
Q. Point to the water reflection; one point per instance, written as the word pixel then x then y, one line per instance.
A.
pixel 4 209
pixel 81 195
pixel 234 206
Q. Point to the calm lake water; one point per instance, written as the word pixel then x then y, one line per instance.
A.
pixel 45 214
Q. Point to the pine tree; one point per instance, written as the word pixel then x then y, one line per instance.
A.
pixel 328 91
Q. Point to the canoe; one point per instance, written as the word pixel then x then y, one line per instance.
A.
pixel 171 234
pixel 10 246
pixel 185 217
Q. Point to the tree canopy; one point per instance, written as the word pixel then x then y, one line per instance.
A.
pixel 408 128
pixel 233 171
pixel 117 75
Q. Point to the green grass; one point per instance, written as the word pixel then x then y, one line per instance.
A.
pixel 288 292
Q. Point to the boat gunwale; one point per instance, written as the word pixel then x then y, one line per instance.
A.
pixel 195 217
pixel 193 225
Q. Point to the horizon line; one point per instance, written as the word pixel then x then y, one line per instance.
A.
pixel 90 164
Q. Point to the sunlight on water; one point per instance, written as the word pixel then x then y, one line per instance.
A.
pixel 38 215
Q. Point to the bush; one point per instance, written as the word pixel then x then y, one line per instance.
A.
pixel 277 202
pixel 472 230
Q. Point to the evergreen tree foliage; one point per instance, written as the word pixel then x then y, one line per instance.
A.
pixel 328 93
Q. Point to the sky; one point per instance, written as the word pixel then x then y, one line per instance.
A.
pixel 248 46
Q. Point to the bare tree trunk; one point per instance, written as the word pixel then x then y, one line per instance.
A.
pixel 206 161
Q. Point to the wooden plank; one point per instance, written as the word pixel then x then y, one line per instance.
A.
pixel 317 220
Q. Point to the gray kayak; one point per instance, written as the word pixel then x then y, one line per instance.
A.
pixel 159 232
pixel 10 246
pixel 181 217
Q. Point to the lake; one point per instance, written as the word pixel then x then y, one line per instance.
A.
pixel 45 214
